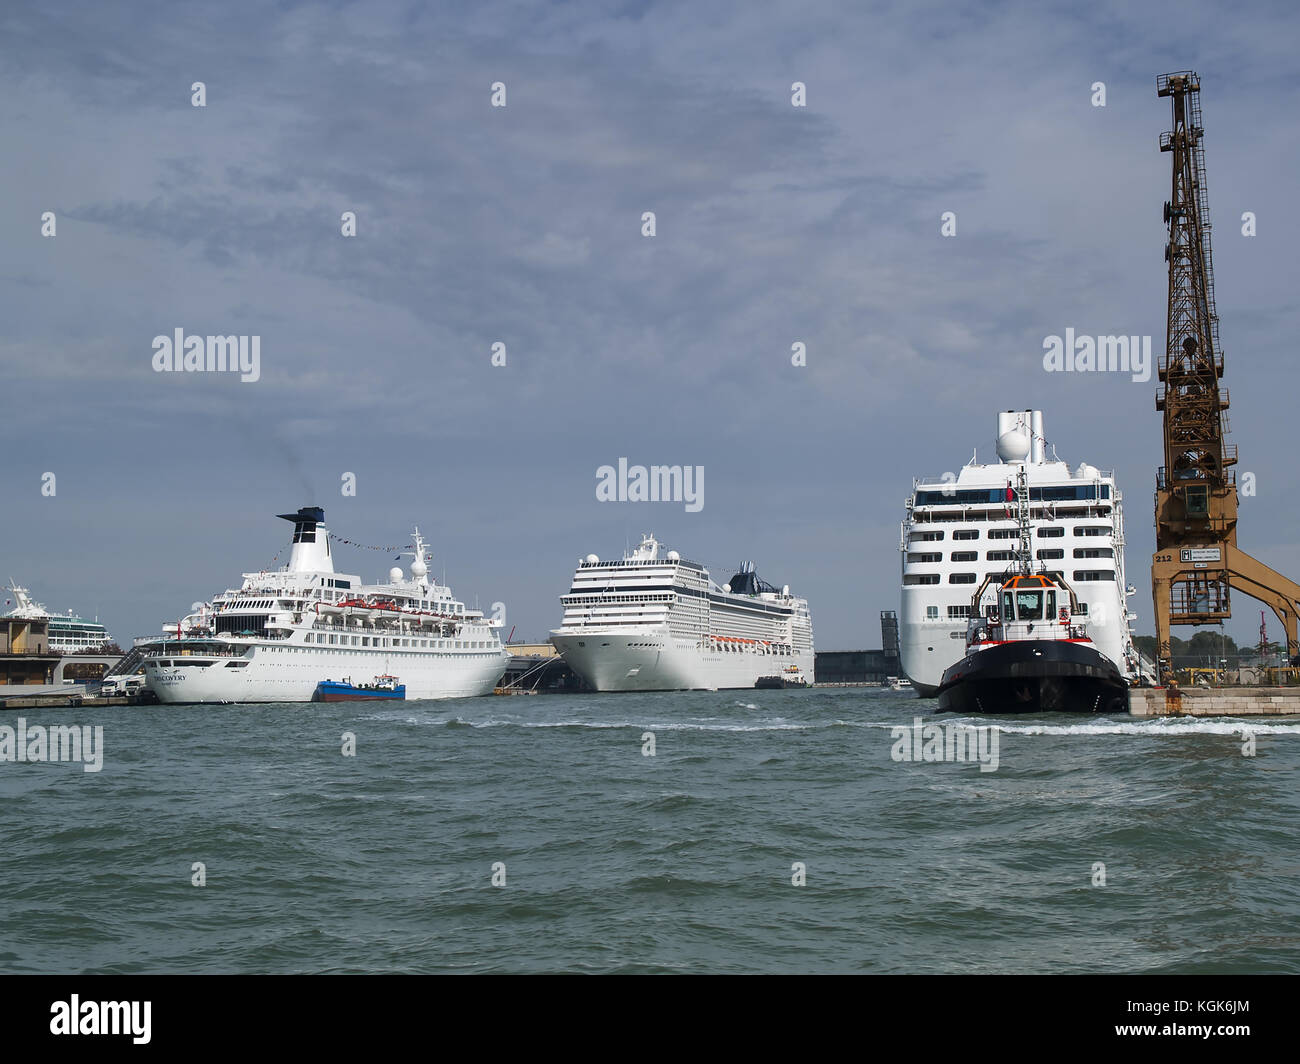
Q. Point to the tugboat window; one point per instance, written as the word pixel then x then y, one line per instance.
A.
pixel 1029 605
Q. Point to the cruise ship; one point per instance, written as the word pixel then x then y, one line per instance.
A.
pixel 280 633
pixel 657 622
pixel 68 633
pixel 960 530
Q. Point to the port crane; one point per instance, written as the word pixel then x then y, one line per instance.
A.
pixel 1197 561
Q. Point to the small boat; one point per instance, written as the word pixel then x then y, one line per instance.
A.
pixel 790 676
pixel 899 683
pixel 382 687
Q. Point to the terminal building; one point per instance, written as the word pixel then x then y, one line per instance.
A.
pixel 852 667
pixel 25 657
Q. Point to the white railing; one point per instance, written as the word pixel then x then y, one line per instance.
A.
pixel 1026 630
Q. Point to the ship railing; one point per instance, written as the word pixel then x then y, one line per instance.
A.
pixel 1064 511
pixel 1016 631
pixel 186 649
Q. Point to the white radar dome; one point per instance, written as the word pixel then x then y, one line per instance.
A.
pixel 1013 446
pixel 726 588
pixel 592 559
pixel 1087 472
pixel 418 569
pixel 673 556
pixel 394 575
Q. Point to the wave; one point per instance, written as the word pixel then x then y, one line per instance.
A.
pixel 1141 727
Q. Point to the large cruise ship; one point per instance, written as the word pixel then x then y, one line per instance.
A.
pixel 282 632
pixel 68 633
pixel 960 530
pixel 659 623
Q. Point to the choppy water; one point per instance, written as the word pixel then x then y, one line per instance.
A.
pixel 620 862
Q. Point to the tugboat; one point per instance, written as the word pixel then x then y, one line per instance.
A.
pixel 1030 652
pixel 790 676
pixel 382 687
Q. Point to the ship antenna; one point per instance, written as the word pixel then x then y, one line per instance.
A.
pixel 1024 550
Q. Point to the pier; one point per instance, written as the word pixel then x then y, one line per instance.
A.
pixel 69 696
pixel 537 668
pixel 1214 702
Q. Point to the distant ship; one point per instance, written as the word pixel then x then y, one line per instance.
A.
pixel 790 676
pixel 68 633
pixel 961 531
pixel 659 623
pixel 281 633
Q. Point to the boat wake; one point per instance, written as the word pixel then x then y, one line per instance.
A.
pixel 1160 726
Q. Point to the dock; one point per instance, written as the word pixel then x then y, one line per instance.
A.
pixel 537 668
pixel 1214 702
pixel 69 699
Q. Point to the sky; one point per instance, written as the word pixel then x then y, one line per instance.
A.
pixel 523 225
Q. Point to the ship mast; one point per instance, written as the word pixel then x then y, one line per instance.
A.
pixel 1024 549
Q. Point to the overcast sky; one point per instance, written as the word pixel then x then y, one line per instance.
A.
pixel 523 225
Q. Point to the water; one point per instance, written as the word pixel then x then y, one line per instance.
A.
pixel 619 862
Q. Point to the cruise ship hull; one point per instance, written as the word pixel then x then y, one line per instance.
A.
pixel 290 674
pixel 925 651
pixel 642 661
pixel 1034 676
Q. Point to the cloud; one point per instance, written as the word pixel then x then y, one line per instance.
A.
pixel 522 225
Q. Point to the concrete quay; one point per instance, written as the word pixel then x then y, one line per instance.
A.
pixel 1214 701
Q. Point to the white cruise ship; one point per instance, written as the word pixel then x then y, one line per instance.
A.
pixel 279 634
pixel 652 623
pixel 958 531
pixel 68 633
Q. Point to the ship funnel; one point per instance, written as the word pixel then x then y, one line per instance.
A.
pixel 311 541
